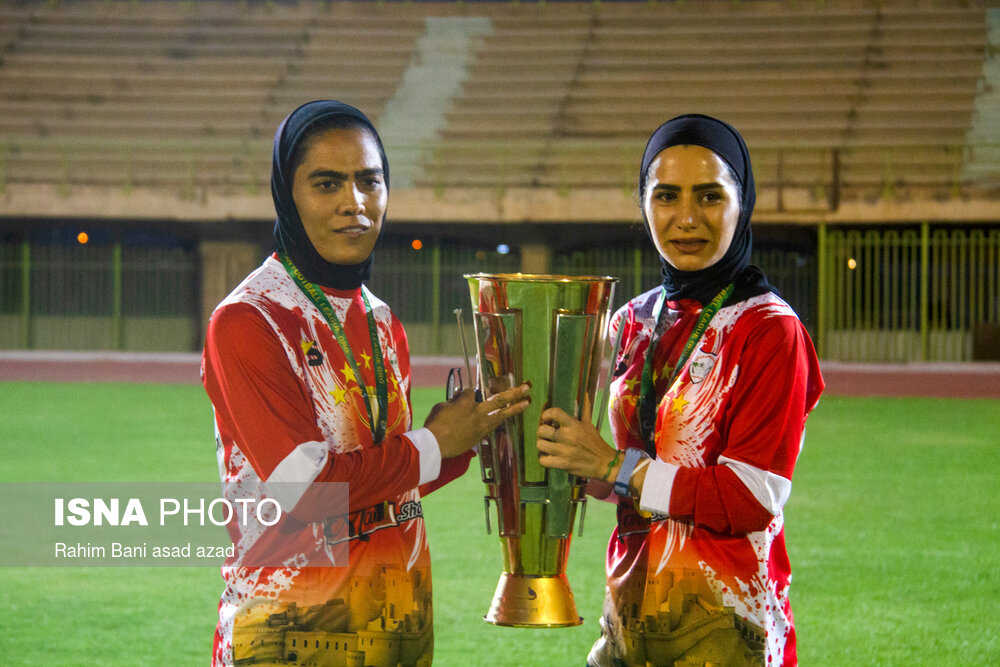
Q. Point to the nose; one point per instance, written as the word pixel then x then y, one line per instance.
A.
pixel 687 213
pixel 351 201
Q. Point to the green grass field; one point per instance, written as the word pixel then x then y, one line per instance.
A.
pixel 893 529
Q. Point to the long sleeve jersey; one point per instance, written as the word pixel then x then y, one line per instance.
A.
pixel 289 409
pixel 697 567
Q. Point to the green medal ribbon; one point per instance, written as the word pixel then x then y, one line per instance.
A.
pixel 319 300
pixel 707 313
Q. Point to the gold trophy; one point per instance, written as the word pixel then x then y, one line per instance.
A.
pixel 548 330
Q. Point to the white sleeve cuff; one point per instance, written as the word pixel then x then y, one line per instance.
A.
pixel 770 490
pixel 656 487
pixel 430 453
pixel 293 475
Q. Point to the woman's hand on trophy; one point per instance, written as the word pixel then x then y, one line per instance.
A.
pixel 569 444
pixel 461 423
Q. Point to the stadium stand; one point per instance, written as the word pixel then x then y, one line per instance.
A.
pixel 188 94
pixel 166 94
pixel 890 89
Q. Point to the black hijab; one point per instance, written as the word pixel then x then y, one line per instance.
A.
pixel 734 267
pixel 289 233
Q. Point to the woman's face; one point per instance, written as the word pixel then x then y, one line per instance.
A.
pixel 692 204
pixel 339 190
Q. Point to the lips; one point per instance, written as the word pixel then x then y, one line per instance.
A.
pixel 353 230
pixel 689 245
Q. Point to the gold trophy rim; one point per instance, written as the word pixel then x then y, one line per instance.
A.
pixel 539 277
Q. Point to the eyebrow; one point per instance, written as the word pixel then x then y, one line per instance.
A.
pixel 696 188
pixel 340 176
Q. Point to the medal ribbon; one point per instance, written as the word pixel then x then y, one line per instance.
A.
pixel 319 300
pixel 707 313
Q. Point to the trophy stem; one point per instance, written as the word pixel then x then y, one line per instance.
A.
pixel 526 601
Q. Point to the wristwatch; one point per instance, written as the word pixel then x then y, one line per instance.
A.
pixel 632 456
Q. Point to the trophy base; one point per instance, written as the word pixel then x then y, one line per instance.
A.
pixel 525 601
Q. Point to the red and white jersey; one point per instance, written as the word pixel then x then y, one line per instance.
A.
pixel 699 569
pixel 289 408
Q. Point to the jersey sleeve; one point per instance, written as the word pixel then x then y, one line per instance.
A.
pixel 777 385
pixel 263 407
pixel 451 469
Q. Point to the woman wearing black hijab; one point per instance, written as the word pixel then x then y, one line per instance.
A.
pixel 713 382
pixel 309 376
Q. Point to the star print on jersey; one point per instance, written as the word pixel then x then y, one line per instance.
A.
pixel 339 395
pixel 678 404
pixel 348 373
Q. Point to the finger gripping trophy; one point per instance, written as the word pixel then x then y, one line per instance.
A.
pixel 550 331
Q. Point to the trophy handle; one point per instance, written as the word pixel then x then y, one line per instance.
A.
pixel 606 390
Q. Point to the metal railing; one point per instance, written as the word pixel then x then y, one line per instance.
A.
pixel 889 293
pixel 101 293
pixel 909 294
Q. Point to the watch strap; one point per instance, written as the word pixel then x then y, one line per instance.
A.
pixel 632 456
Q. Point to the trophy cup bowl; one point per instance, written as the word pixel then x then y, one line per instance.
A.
pixel 548 330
